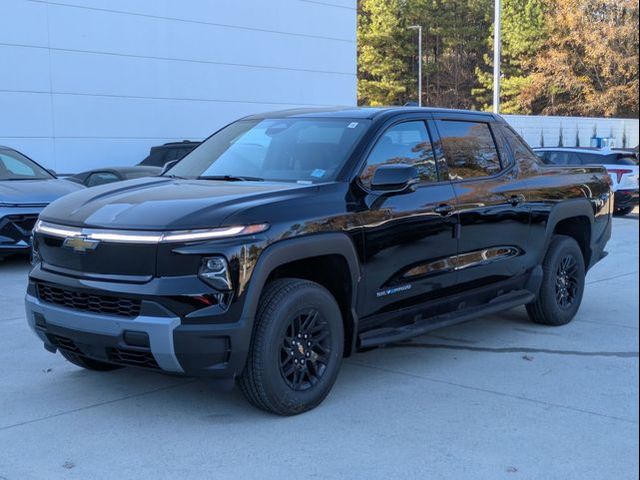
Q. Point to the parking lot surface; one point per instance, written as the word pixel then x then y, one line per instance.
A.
pixel 496 398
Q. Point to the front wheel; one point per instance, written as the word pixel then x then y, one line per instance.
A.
pixel 562 284
pixel 296 349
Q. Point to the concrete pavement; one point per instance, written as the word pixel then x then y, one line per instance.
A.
pixel 496 398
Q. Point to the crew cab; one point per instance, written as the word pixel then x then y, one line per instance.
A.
pixel 288 241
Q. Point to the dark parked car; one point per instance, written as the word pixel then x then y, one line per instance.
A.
pixel 169 152
pixel 25 189
pixel 151 166
pixel 290 240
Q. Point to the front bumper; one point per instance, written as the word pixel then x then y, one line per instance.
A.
pixel 624 199
pixel 16 224
pixel 214 345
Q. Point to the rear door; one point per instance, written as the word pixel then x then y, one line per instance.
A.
pixel 493 212
pixel 410 237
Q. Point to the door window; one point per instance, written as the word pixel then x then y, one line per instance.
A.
pixel 469 149
pixel 406 143
pixel 563 158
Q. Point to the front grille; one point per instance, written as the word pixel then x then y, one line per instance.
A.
pixel 123 307
pixel 134 358
pixel 64 343
pixel 18 227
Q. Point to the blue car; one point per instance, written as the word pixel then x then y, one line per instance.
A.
pixel 25 189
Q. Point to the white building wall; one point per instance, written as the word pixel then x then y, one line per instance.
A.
pixel 85 83
pixel 535 129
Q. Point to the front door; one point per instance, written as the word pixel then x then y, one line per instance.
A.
pixel 410 237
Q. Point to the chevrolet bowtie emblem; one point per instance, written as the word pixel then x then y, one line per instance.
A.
pixel 80 244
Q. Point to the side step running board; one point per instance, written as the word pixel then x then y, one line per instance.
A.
pixel 380 336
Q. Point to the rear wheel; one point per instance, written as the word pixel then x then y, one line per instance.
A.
pixel 88 363
pixel 562 285
pixel 296 349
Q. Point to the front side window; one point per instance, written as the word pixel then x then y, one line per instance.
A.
pixel 15 166
pixel 407 143
pixel 306 150
pixel 469 149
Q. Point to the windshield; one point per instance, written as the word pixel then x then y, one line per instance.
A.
pixel 15 166
pixel 293 150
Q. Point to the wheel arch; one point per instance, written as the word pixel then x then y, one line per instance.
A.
pixel 573 218
pixel 312 257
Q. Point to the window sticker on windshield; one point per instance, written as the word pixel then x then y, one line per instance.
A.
pixel 318 173
pixel 352 125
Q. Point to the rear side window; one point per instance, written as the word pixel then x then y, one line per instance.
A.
pixel 469 149
pixel 407 143
pixel 520 150
pixel 563 158
pixel 101 178
pixel 611 159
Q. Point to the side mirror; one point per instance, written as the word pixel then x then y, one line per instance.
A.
pixel 394 178
pixel 168 166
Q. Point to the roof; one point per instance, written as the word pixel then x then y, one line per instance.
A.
pixel 356 112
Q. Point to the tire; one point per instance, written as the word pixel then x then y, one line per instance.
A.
pixel 88 363
pixel 623 211
pixel 562 283
pixel 274 378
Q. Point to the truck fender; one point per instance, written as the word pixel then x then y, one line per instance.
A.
pixel 577 207
pixel 299 248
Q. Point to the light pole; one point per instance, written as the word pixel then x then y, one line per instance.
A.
pixel 419 28
pixel 497 42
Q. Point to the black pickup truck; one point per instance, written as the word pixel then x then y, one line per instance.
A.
pixel 290 240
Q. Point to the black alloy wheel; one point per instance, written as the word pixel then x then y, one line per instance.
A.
pixel 566 281
pixel 562 285
pixel 306 350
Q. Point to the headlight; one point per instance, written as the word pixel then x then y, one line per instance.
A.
pixel 215 272
pixel 143 237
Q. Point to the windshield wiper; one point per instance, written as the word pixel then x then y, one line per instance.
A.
pixel 231 178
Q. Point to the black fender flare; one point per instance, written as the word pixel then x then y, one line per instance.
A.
pixel 576 207
pixel 299 248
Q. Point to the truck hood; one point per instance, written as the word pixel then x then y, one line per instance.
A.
pixel 163 203
pixel 35 192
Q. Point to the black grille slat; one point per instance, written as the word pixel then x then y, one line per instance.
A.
pixel 64 343
pixel 123 307
pixel 134 358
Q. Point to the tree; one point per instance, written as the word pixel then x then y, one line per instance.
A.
pixel 589 63
pixel 523 35
pixel 383 53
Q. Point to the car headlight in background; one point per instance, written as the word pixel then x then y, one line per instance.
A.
pixel 215 272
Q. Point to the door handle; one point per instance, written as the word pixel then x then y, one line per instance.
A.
pixel 516 199
pixel 444 209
